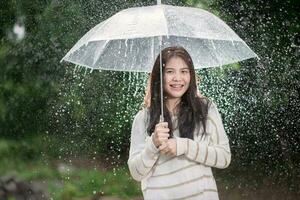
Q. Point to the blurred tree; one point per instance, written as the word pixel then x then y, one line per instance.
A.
pixel 263 114
pixel 23 94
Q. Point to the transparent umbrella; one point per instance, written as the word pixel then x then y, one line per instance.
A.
pixel 131 39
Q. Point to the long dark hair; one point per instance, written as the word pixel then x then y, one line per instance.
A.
pixel 192 110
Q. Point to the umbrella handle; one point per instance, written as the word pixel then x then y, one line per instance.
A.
pixel 161 118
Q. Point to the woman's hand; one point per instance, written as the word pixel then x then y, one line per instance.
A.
pixel 161 134
pixel 169 148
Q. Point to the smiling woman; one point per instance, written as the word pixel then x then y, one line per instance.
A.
pixel 173 159
pixel 177 79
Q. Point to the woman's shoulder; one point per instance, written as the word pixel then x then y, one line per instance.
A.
pixel 142 114
pixel 210 105
pixel 207 103
pixel 213 110
pixel 143 111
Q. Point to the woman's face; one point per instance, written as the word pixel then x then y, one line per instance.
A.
pixel 176 77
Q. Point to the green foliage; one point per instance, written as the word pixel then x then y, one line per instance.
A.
pixel 259 101
pixel 27 149
pixel 68 192
pixel 71 181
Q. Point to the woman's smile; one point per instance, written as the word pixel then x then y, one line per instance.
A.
pixel 176 77
pixel 177 87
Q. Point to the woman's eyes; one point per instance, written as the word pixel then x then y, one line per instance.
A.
pixel 169 72
pixel 183 71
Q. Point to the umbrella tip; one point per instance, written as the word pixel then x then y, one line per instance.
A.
pixel 258 58
pixel 62 60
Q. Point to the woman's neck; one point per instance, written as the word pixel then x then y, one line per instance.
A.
pixel 171 104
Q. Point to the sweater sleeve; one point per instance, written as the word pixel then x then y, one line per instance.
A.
pixel 143 153
pixel 215 150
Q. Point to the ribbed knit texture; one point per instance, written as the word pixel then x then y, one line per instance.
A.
pixel 187 175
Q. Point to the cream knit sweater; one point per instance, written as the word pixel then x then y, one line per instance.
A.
pixel 187 175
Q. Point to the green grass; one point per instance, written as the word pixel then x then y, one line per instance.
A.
pixel 67 182
pixel 77 182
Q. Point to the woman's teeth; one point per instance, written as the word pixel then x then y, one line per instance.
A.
pixel 176 86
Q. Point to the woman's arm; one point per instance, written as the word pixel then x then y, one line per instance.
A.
pixel 143 153
pixel 216 152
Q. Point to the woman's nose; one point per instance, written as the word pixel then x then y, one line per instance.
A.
pixel 176 77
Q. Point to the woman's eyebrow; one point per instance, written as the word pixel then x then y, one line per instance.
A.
pixel 175 67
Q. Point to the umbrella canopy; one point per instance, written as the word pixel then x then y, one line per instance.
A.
pixel 130 39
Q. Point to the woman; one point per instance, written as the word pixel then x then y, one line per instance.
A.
pixel 173 159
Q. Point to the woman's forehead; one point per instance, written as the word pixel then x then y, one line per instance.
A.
pixel 176 62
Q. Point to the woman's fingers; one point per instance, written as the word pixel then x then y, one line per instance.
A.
pixel 163 135
pixel 163 146
pixel 165 124
pixel 163 140
pixel 161 124
pixel 162 130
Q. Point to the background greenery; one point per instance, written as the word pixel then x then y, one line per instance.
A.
pixel 53 116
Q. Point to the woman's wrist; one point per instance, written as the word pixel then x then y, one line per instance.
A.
pixel 181 145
